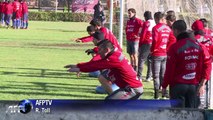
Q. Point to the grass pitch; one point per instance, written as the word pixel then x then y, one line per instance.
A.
pixel 31 63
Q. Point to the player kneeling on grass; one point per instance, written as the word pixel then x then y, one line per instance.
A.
pixel 121 72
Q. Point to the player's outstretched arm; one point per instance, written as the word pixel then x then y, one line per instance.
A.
pixel 76 40
pixel 72 68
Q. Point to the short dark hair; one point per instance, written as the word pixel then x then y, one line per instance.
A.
pixel 159 15
pixel 199 32
pixel 132 10
pixel 179 25
pixel 95 22
pixel 106 44
pixel 90 28
pixel 204 21
pixel 147 15
pixel 171 18
pixel 170 12
pixel 98 35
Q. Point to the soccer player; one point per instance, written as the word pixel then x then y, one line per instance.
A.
pixel 25 14
pixel 200 35
pixel 16 14
pixel 121 72
pixel 2 12
pixel 188 67
pixel 145 45
pixel 207 31
pixel 90 31
pixel 133 27
pixel 8 13
pixel 161 36
pixel 97 36
pixel 170 19
pixel 107 34
pixel 206 40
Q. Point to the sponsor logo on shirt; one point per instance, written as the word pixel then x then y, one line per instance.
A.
pixel 191 51
pixel 191 57
pixel 163 46
pixel 130 30
pixel 191 66
pixel 189 76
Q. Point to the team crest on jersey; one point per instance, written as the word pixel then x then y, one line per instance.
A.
pixel 191 66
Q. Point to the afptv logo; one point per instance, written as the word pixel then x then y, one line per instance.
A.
pixel 24 106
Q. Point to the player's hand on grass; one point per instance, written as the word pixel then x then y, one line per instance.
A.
pixel 89 51
pixel 78 40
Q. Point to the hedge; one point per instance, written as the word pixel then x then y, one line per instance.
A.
pixel 60 16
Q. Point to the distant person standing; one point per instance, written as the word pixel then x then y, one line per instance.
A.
pixel 16 14
pixel 145 45
pixel 25 14
pixel 2 12
pixel 170 12
pixel 99 13
pixel 133 27
pixel 170 19
pixel 8 13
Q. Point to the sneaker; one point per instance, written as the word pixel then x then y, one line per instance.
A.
pixel 148 79
pixel 100 90
pixel 165 95
pixel 114 87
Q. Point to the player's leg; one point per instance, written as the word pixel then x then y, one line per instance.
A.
pixel 126 93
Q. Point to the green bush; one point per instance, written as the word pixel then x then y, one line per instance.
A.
pixel 60 16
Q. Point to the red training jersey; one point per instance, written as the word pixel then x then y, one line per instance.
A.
pixel 161 36
pixel 8 9
pixel 16 6
pixel 205 40
pixel 146 34
pixel 132 29
pixel 107 35
pixel 187 63
pixel 24 7
pixel 121 72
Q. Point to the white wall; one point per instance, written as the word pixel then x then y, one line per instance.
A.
pixel 100 114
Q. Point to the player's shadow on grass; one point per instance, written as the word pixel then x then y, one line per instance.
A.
pixel 51 94
pixel 58 30
pixel 43 73
pixel 51 85
pixel 50 89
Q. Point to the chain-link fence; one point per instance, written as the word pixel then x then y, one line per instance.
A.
pixel 188 10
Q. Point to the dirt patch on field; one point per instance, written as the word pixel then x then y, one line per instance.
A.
pixel 9 44
pixel 60 45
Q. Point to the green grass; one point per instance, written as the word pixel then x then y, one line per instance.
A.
pixel 31 63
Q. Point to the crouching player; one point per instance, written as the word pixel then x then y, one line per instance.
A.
pixel 121 72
